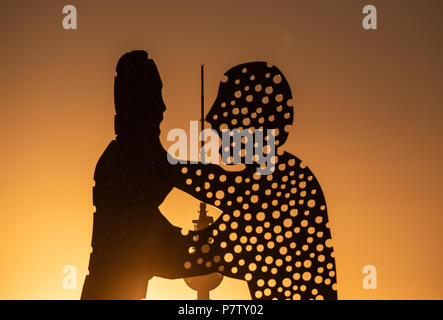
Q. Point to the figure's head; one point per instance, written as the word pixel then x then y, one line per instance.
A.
pixel 138 99
pixel 253 95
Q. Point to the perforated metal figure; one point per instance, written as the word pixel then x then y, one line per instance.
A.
pixel 274 230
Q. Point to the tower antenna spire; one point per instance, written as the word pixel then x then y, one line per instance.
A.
pixel 203 284
pixel 202 107
pixel 204 220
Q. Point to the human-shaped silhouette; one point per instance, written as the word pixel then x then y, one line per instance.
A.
pixel 273 231
pixel 132 241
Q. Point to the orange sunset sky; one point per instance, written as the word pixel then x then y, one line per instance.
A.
pixel 368 122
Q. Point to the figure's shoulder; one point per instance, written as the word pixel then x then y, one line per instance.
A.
pixel 294 166
pixel 288 158
pixel 299 176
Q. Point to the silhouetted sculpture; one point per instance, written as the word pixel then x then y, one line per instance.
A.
pixel 273 232
pixel 132 240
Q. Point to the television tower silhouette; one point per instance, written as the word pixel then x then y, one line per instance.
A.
pixel 203 284
pixel 203 220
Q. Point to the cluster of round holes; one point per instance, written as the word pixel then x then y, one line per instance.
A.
pixel 273 232
pixel 254 95
pixel 284 229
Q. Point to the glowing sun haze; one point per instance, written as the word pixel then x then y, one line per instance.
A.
pixel 367 122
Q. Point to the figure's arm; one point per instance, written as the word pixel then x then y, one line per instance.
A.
pixel 208 183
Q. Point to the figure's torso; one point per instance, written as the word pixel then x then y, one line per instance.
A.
pixel 129 187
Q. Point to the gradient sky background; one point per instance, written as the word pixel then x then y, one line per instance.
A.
pixel 368 122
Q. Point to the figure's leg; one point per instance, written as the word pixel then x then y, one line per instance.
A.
pixel 283 286
pixel 280 286
pixel 181 256
pixel 115 276
pixel 257 288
